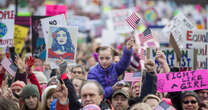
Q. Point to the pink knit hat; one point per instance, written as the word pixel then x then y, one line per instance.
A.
pixel 18 83
pixel 91 107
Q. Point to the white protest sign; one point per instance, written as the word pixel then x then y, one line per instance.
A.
pixel 118 20
pixel 198 39
pixel 82 22
pixel 177 26
pixel 58 20
pixel 6 27
pixel 108 37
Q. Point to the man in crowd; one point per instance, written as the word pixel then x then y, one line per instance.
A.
pixel 120 99
pixel 93 93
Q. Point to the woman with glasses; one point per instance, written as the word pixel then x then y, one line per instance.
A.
pixel 190 101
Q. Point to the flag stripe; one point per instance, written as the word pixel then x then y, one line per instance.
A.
pixel 133 20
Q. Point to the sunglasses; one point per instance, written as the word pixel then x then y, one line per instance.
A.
pixel 192 102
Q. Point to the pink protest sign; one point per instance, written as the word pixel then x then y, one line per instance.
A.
pixel 182 81
pixel 52 10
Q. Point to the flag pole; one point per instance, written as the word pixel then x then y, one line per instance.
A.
pixel 16 7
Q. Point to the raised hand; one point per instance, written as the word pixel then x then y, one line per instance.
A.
pixel 160 57
pixel 149 65
pixel 62 93
pixel 130 43
pixel 20 64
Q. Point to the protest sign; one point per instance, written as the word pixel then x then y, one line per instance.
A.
pixel 82 22
pixel 62 43
pixel 96 27
pixel 58 20
pixel 118 20
pixel 198 39
pixel 175 47
pixel 52 10
pixel 177 26
pixel 131 77
pixel 182 81
pixel 186 62
pixel 108 37
pixel 10 67
pixel 38 42
pixel 20 33
pixel 6 27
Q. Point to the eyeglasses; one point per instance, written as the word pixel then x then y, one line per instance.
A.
pixel 192 102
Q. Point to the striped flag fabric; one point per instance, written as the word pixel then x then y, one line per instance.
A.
pixel 10 67
pixel 145 36
pixel 133 20
pixel 131 77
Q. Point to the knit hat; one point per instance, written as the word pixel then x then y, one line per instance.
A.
pixel 30 90
pixel 190 93
pixel 151 96
pixel 18 83
pixel 91 107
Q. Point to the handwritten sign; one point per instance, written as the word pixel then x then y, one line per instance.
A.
pixel 20 32
pixel 177 26
pixel 198 39
pixel 187 58
pixel 52 10
pixel 58 20
pixel 117 20
pixel 182 81
pixel 6 27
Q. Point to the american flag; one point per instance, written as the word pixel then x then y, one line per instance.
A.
pixel 145 36
pixel 142 54
pixel 10 67
pixel 133 20
pixel 136 76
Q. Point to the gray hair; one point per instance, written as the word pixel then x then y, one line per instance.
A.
pixel 100 88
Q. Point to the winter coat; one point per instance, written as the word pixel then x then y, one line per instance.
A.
pixel 108 77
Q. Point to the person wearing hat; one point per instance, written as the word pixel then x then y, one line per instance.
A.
pixel 31 98
pixel 17 86
pixel 120 99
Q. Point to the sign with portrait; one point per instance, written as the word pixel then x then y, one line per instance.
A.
pixel 6 27
pixel 62 43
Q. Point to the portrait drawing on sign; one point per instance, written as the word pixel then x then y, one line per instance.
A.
pixel 61 45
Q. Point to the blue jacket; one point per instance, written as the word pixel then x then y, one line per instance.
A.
pixel 108 77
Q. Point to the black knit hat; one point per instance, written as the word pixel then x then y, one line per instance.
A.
pixel 30 90
pixel 190 93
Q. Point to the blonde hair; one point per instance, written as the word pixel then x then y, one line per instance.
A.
pixel 141 106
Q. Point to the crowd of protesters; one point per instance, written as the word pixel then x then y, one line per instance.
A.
pixel 95 82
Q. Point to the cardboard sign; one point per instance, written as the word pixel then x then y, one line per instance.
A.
pixel 10 67
pixel 175 47
pixel 20 32
pixel 117 20
pixel 177 26
pixel 6 27
pixel 58 20
pixel 62 43
pixel 81 21
pixel 186 62
pixel 182 81
pixel 52 10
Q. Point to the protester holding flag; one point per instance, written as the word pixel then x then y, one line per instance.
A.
pixel 107 72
